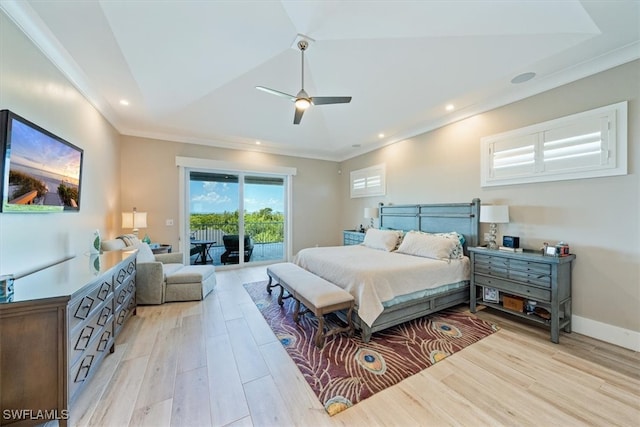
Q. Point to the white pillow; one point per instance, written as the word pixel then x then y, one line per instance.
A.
pixel 387 240
pixel 427 245
pixel 144 253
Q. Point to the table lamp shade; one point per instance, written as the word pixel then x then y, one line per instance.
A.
pixel 370 213
pixel 134 220
pixel 496 214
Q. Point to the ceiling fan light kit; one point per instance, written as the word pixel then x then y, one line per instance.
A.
pixel 302 100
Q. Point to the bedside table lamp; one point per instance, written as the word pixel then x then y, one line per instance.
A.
pixel 494 214
pixel 134 220
pixel 370 213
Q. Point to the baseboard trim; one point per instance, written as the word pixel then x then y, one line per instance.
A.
pixel 608 333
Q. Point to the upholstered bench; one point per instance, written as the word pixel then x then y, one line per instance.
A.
pixel 319 296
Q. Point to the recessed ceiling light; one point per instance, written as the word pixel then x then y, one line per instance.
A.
pixel 124 102
pixel 258 142
pixel 381 135
pixel 524 77
pixel 449 107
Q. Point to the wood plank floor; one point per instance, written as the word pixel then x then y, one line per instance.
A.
pixel 217 363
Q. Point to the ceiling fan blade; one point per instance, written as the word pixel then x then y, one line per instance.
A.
pixel 323 100
pixel 276 92
pixel 298 116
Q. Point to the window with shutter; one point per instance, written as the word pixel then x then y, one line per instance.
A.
pixel 368 182
pixel 583 145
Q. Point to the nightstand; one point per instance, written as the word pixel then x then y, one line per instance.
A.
pixel 161 249
pixel 352 237
pixel 525 276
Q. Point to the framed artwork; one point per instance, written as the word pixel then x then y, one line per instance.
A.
pixel 490 294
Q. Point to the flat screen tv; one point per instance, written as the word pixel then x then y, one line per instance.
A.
pixel 41 172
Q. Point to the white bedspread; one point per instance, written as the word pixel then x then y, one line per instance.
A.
pixel 374 276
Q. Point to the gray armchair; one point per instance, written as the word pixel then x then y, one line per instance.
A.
pixel 163 277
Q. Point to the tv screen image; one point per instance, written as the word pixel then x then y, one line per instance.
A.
pixel 41 172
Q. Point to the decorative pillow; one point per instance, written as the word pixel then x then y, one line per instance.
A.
pixel 144 253
pixel 427 245
pixel 458 251
pixel 386 240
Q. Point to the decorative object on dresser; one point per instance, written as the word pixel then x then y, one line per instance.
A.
pixel 370 214
pixel 62 323
pixel 494 214
pixel 352 237
pixel 527 279
pixel 134 220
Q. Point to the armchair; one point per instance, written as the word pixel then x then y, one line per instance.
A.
pixel 163 277
pixel 231 254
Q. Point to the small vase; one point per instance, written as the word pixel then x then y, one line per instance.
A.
pixel 95 246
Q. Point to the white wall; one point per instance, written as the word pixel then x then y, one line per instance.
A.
pixel 33 88
pixel 598 217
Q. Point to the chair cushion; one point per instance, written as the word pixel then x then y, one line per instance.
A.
pixel 168 269
pixel 191 274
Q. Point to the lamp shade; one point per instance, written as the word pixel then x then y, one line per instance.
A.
pixel 134 220
pixel 495 214
pixel 370 213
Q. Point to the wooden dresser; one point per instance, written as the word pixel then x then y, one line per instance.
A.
pixel 60 325
pixel 527 277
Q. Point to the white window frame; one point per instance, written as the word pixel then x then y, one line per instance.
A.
pixel 368 182
pixel 522 151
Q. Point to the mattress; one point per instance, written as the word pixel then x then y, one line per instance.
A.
pixel 376 277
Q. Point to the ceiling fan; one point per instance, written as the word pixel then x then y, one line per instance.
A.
pixel 302 100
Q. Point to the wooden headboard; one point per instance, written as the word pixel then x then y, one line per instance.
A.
pixel 435 218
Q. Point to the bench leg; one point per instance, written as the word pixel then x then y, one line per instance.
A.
pixel 269 285
pixel 296 312
pixel 320 332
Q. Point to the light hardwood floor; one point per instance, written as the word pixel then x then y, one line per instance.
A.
pixel 217 363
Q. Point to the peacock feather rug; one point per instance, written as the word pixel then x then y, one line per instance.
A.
pixel 348 370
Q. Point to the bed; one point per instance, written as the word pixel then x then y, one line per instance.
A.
pixel 391 288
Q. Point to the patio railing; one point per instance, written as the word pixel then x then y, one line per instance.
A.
pixel 267 236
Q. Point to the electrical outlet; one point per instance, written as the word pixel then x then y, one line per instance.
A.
pixel 169 223
pixel 487 237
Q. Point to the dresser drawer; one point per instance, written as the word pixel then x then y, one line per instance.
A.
pixel 492 270
pixel 488 260
pixel 530 267
pixel 84 306
pixel 82 338
pixel 85 367
pixel 540 279
pixel 515 288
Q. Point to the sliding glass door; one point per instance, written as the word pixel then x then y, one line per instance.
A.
pixel 219 234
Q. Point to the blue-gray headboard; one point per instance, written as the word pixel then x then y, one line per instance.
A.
pixel 435 218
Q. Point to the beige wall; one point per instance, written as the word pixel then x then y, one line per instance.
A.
pixel 598 217
pixel 33 88
pixel 150 182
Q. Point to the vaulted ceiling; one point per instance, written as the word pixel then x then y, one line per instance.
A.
pixel 189 69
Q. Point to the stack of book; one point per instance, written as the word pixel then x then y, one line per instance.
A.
pixel 506 249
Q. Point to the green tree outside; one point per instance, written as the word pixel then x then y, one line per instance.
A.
pixel 264 226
